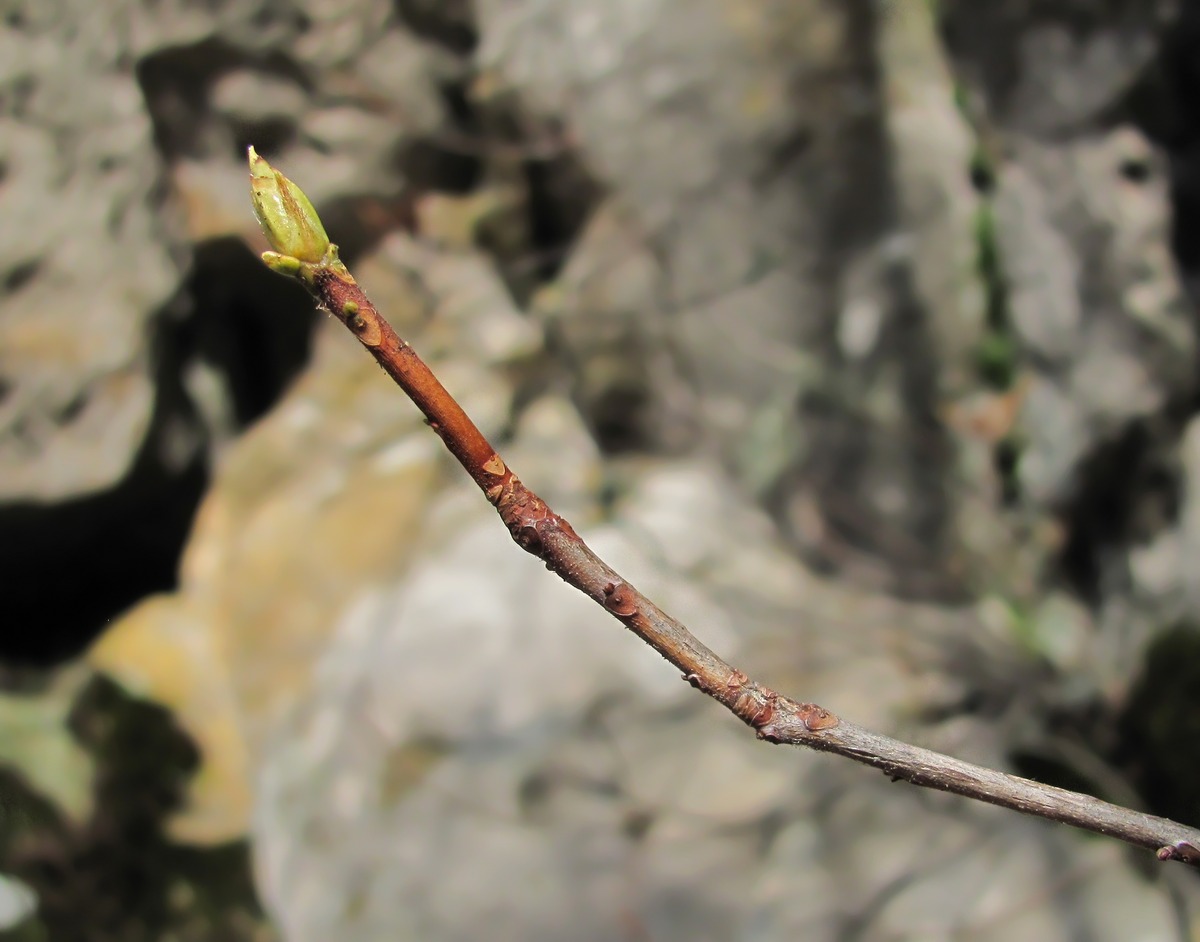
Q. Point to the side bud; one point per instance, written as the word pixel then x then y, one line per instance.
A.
pixel 287 217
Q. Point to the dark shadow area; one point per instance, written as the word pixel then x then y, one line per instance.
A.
pixel 71 567
pixel 1159 728
pixel 1125 494
pixel 986 38
pixel 452 161
pixel 430 166
pixel 614 418
pixel 1072 751
pixel 177 83
pixel 117 877
pixel 1163 105
pixel 449 23
pixel 562 197
pixel 252 326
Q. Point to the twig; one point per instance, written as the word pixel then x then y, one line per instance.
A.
pixel 305 253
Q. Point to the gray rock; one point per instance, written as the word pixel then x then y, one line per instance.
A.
pixel 713 182
pixel 439 740
pixel 761 283
pixel 87 268
pixel 528 771
pixel 1094 299
pixel 252 97
pixel 94 256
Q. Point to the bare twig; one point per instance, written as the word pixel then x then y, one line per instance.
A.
pixel 305 253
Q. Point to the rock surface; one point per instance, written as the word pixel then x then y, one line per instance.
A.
pixel 856 338
pixel 89 266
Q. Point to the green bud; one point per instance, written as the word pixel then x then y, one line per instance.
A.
pixel 287 218
pixel 282 264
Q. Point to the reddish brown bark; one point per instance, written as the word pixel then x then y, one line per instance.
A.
pixel 537 529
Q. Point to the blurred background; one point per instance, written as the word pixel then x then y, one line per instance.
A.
pixel 860 334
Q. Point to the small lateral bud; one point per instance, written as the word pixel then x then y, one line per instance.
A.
pixel 287 217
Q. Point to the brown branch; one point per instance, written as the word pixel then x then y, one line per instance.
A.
pixel 776 718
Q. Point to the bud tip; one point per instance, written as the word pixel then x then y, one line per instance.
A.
pixel 288 219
